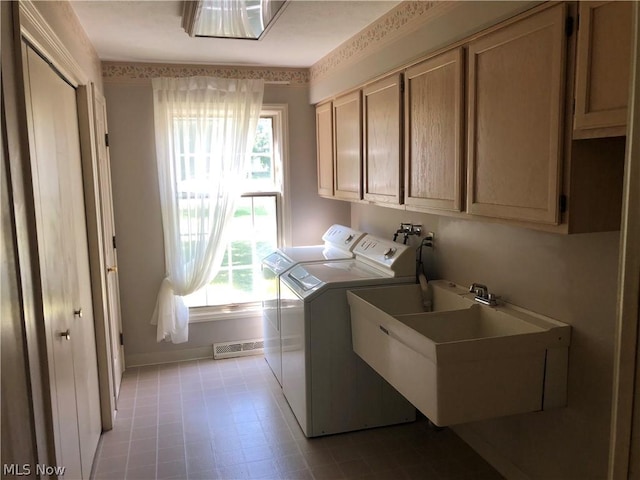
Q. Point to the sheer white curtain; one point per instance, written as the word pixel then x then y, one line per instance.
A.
pixel 205 128
pixel 231 19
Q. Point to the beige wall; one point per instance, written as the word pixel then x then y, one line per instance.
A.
pixel 404 38
pixel 570 278
pixel 139 227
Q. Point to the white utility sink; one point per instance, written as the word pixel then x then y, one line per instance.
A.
pixel 461 361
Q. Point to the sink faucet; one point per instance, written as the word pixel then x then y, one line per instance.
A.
pixel 482 294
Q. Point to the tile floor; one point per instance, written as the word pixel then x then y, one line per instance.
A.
pixel 228 419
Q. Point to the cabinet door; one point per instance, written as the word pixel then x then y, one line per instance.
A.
pixel 603 65
pixel 347 132
pixel 324 148
pixel 382 125
pixel 514 139
pixel 433 133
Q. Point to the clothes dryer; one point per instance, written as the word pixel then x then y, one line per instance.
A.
pixel 328 387
pixel 339 242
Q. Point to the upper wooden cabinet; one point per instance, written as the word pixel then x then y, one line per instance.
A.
pixel 433 133
pixel 347 134
pixel 324 148
pixel 515 111
pixel 602 70
pixel 508 151
pixel 382 140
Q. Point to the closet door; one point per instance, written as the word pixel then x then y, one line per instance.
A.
pixel 109 241
pixel 64 267
pixel 83 340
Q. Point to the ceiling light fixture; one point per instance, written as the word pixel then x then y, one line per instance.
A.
pixel 240 19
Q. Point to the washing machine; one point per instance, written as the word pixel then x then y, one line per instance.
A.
pixel 339 242
pixel 328 387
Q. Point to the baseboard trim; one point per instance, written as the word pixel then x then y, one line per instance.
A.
pixel 487 451
pixel 157 358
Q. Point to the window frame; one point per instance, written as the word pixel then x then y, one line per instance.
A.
pixel 279 116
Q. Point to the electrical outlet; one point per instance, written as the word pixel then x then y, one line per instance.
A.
pixel 427 241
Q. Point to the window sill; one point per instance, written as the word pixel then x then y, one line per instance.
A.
pixel 226 312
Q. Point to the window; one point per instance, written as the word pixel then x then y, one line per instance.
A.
pixel 255 228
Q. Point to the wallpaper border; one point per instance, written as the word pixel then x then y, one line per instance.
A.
pixel 128 72
pixel 399 21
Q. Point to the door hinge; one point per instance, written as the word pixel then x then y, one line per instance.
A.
pixel 401 83
pixel 113 239
pixel 106 139
pixel 563 203
pixel 121 339
pixel 573 107
pixel 569 26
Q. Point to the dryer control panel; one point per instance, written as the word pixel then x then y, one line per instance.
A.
pixel 341 237
pixel 395 258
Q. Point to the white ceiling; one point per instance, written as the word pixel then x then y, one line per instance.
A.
pixel 151 31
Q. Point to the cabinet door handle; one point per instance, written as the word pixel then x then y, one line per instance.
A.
pixel 66 334
pixel 77 313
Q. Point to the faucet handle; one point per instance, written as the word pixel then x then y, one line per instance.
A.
pixel 493 299
pixel 479 289
pixel 482 294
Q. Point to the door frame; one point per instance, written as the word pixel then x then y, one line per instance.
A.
pixel 95 192
pixel 90 174
pixel 33 28
pixel 625 422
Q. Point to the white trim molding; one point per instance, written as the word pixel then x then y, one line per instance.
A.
pixel 35 30
pixel 169 356
pixel 624 456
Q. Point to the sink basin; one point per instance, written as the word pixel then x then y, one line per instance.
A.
pixel 473 323
pixel 461 361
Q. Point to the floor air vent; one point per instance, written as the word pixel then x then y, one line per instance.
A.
pixel 238 349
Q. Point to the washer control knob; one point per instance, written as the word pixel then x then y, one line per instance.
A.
pixel 389 252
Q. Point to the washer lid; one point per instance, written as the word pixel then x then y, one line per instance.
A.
pixel 339 241
pixel 277 262
pixel 343 271
pixel 316 253
pixel 303 279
